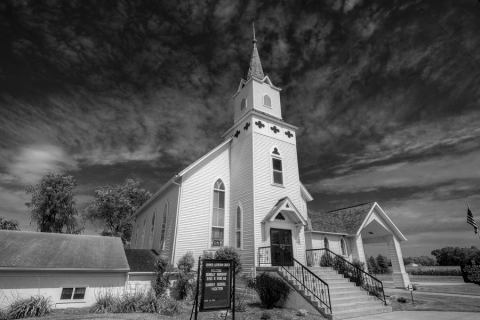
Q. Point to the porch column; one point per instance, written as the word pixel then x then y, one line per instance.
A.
pixel 357 249
pixel 400 276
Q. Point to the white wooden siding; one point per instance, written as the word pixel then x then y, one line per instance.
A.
pixel 196 199
pixel 152 241
pixel 241 163
pixel 266 195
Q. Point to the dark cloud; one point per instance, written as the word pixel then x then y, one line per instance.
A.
pixel 386 93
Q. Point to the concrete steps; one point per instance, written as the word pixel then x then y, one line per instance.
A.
pixel 347 300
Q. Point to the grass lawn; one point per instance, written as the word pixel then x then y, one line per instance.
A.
pixel 460 288
pixel 424 302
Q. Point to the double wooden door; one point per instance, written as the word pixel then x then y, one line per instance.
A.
pixel 281 247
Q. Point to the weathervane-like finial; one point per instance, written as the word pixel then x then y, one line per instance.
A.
pixel 253 27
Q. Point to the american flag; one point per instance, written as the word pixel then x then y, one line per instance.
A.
pixel 471 221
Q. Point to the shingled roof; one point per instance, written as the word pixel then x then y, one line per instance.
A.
pixel 344 221
pixel 20 250
pixel 141 260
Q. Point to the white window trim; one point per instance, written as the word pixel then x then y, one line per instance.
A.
pixel 263 102
pixel 71 300
pixel 211 226
pixel 163 226
pixel 237 229
pixel 272 156
pixel 243 109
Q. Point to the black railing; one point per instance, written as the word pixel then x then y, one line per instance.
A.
pixel 327 258
pixel 264 256
pixel 310 283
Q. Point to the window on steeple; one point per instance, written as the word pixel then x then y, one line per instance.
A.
pixel 277 167
pixel 267 102
pixel 218 215
pixel 243 104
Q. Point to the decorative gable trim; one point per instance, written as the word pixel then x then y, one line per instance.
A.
pixel 387 219
pixel 285 205
pixel 305 194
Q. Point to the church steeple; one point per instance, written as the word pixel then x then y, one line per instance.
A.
pixel 255 69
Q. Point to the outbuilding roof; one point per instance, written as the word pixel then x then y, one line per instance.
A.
pixel 24 250
pixel 141 260
pixel 344 221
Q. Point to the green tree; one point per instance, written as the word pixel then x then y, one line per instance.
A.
pixel 455 256
pixel 53 204
pixel 382 263
pixel 115 206
pixel 8 224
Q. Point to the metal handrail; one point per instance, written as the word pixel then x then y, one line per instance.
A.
pixel 310 282
pixel 264 256
pixel 362 278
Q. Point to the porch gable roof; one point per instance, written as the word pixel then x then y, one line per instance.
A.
pixel 345 221
pixel 285 205
pixel 351 220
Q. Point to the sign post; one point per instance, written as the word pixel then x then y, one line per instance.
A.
pixel 216 283
pixel 410 288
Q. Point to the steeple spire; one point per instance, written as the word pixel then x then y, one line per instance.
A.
pixel 255 69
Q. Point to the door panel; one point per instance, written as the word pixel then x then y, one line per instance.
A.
pixel 281 247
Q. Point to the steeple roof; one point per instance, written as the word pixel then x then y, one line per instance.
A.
pixel 255 69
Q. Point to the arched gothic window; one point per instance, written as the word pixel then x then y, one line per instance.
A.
pixel 218 214
pixel 325 243
pixel 243 104
pixel 163 229
pixel 238 228
pixel 267 101
pixel 343 244
pixel 277 168
pixel 152 228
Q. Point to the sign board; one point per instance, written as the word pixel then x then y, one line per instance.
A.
pixel 410 287
pixel 216 284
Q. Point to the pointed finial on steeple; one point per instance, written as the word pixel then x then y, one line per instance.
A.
pixel 255 69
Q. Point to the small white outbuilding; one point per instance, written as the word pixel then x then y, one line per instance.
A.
pixel 71 270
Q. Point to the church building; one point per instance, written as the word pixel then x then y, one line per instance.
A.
pixel 246 193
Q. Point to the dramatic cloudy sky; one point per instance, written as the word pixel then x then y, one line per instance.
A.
pixel 386 93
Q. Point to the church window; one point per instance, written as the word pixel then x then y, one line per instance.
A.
pixel 152 229
pixel 277 167
pixel 343 244
pixel 218 215
pixel 238 228
pixel 267 102
pixel 325 243
pixel 164 227
pixel 243 104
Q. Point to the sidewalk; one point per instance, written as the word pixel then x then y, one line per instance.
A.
pixel 416 293
pixel 422 315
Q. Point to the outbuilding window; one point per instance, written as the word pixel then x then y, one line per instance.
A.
pixel 218 215
pixel 73 293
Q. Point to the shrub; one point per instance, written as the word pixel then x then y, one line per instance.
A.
pixel 357 263
pixel 271 290
pixel 129 302
pixel 169 306
pixel 265 316
pixel 104 302
pixel 401 300
pixel 183 286
pixel 186 262
pixel 325 261
pixel 36 306
pixel 160 283
pixel 150 303
pixel 229 253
